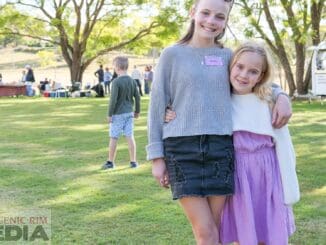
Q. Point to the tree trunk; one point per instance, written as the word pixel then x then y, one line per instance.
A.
pixel 76 74
pixel 307 79
pixel 287 70
pixel 77 70
pixel 299 67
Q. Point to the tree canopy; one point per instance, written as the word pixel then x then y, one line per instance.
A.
pixel 87 29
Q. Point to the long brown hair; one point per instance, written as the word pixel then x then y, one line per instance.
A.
pixel 186 38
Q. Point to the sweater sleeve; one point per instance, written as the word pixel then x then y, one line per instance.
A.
pixel 159 100
pixel 276 91
pixel 113 98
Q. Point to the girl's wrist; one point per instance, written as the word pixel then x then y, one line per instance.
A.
pixel 283 93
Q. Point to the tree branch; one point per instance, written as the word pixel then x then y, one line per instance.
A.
pixel 90 22
pixel 9 32
pixel 41 7
pixel 292 20
pixel 78 21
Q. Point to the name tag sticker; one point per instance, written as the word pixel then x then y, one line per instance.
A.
pixel 212 60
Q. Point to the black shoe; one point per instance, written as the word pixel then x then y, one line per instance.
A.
pixel 108 165
pixel 133 164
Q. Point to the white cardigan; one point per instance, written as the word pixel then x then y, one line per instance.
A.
pixel 249 113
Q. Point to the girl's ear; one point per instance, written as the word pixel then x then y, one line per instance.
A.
pixel 261 77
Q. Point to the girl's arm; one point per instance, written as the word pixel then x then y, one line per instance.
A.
pixel 281 111
pixel 113 99
pixel 158 101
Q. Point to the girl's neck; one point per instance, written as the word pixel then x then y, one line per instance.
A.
pixel 234 91
pixel 201 43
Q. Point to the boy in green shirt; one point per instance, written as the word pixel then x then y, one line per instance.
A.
pixel 121 114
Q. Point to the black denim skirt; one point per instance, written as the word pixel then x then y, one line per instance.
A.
pixel 200 165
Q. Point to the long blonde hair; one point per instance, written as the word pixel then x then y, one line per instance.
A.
pixel 263 88
pixel 186 38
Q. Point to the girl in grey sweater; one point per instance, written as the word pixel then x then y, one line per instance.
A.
pixel 194 153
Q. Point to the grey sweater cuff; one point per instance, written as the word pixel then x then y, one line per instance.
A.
pixel 155 150
pixel 277 90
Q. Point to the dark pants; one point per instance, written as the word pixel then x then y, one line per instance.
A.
pixel 148 84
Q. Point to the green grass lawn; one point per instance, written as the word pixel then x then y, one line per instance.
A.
pixel 51 151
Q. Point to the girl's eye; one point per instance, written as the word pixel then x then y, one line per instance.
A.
pixel 219 17
pixel 239 66
pixel 254 72
pixel 205 13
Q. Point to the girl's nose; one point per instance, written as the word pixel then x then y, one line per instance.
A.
pixel 211 20
pixel 243 74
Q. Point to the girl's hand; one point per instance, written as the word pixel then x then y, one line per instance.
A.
pixel 169 115
pixel 160 173
pixel 282 111
pixel 109 119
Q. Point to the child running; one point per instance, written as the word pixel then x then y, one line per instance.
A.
pixel 265 177
pixel 194 153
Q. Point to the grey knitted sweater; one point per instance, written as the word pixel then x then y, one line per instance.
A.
pixel 195 82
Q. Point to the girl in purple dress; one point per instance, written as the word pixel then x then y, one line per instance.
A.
pixel 265 180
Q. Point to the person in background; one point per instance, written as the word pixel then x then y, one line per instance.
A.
pixel 100 74
pixel 29 80
pixel 136 75
pixel 23 76
pixel 114 76
pixel 146 80
pixel 107 79
pixel 42 85
pixel 150 76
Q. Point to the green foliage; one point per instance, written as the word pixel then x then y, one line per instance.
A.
pixel 12 20
pixel 249 32
pixel 8 39
pixel 189 3
pixel 9 17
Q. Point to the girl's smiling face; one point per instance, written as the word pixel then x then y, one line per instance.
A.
pixel 246 72
pixel 210 18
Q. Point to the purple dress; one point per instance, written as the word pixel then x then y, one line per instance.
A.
pixel 256 212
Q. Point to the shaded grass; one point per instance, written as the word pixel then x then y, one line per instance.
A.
pixel 51 151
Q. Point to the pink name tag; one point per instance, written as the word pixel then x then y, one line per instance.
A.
pixel 212 60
